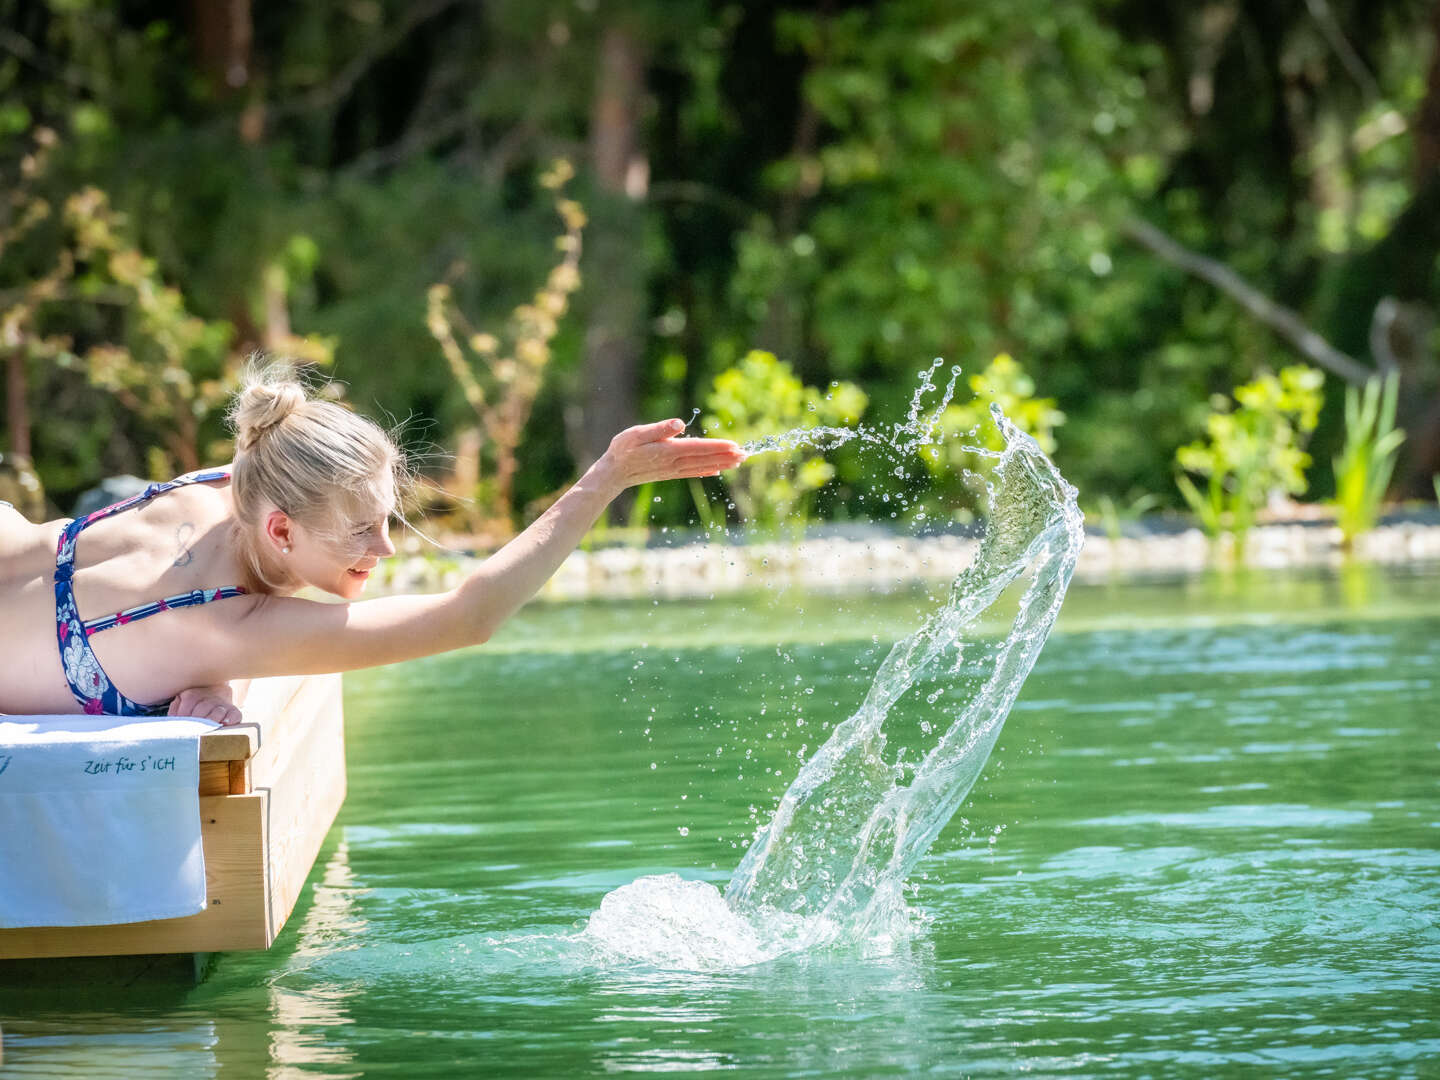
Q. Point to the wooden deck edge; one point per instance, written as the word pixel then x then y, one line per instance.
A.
pixel 266 806
pixel 234 831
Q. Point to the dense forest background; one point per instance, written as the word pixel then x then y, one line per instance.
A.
pixel 1144 203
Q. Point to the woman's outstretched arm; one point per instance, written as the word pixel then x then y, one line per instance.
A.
pixel 290 636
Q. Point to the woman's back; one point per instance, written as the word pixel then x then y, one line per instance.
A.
pixel 172 543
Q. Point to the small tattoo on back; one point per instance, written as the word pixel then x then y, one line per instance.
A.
pixel 182 535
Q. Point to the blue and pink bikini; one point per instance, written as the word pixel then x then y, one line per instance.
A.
pixel 88 682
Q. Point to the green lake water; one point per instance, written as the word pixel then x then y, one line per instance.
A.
pixel 1207 844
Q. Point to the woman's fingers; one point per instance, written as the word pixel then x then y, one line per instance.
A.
pixel 205 705
pixel 652 452
pixel 649 433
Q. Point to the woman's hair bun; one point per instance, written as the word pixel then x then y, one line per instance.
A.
pixel 268 394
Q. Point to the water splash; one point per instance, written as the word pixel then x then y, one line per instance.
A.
pixel 831 862
pixel 854 823
pixel 919 429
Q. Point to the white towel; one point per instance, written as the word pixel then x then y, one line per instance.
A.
pixel 99 820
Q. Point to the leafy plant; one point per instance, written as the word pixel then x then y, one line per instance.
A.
pixel 1253 449
pixel 1114 516
pixel 505 377
pixel 168 367
pixel 1367 461
pixel 968 427
pixel 760 396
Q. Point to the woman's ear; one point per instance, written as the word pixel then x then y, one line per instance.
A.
pixel 279 530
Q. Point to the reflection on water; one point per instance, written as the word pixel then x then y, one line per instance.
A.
pixel 303 1025
pixel 1206 845
pixel 225 1028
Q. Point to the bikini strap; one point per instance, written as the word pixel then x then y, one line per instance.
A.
pixel 65 547
pixel 179 600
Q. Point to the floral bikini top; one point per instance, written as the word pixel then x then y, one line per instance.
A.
pixel 88 682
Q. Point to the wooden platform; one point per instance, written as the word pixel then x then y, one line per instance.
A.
pixel 269 791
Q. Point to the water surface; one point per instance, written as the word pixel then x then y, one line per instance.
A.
pixel 1205 845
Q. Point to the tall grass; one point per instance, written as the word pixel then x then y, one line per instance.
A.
pixel 1367 461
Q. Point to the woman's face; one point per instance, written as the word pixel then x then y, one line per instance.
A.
pixel 342 569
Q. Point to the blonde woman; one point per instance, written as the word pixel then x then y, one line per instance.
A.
pixel 218 554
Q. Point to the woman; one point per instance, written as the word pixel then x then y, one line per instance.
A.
pixel 306 502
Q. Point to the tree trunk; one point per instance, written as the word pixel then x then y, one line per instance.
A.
pixel 17 410
pixel 614 335
pixel 1427 123
pixel 223 34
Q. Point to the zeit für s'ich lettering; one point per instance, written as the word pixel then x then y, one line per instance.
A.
pixel 125 764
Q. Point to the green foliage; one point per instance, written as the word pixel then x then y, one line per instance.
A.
pixel 1114 515
pixel 1252 449
pixel 1365 465
pixel 856 186
pixel 507 372
pixel 969 137
pixel 956 467
pixel 139 342
pixel 761 396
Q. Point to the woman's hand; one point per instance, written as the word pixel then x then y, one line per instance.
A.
pixel 649 452
pixel 207 703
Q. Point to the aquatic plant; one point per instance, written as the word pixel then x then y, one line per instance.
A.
pixel 1113 515
pixel 760 395
pixel 1367 461
pixel 1253 449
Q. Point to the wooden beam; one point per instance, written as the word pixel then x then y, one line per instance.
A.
pixel 302 765
pixel 230 744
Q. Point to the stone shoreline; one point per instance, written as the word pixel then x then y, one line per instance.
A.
pixel 883 562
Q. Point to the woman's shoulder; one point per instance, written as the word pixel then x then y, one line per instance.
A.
pixel 27 548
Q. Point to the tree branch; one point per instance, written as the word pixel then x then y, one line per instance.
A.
pixel 1279 318
pixel 1349 58
pixel 413 142
pixel 338 88
pixel 22 48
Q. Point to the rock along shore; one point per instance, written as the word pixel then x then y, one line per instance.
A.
pixel 882 561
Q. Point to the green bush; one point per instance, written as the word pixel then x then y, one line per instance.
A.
pixel 955 465
pixel 1252 449
pixel 762 396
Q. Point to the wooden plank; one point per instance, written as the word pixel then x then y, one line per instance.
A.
pixel 239 777
pixel 234 830
pixel 230 744
pixel 214 778
pixel 272 697
pixel 302 765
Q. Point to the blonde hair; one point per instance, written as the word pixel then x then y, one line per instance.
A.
pixel 328 468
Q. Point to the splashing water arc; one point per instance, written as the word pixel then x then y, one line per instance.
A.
pixel 853 824
pixel 831 862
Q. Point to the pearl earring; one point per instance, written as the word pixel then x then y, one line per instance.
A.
pixel 286 550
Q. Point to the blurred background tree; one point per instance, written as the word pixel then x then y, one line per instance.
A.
pixel 1145 204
